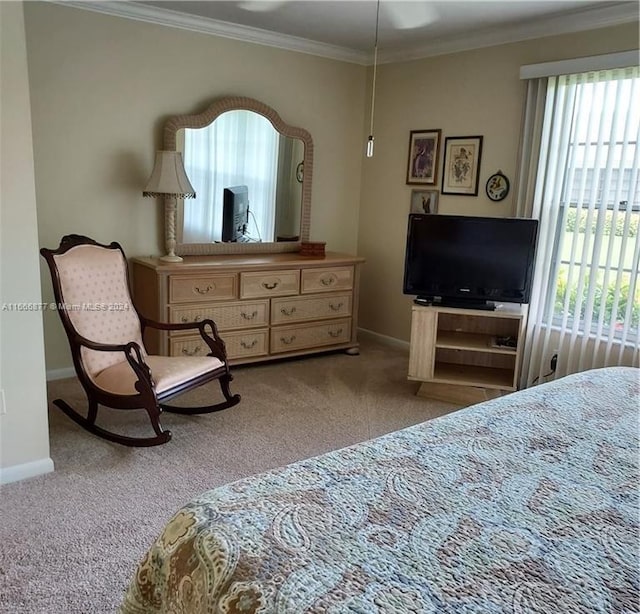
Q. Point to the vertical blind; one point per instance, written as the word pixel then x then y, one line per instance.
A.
pixel 586 297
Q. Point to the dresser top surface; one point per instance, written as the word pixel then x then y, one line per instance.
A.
pixel 242 261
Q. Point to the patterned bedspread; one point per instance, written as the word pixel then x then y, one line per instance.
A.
pixel 523 504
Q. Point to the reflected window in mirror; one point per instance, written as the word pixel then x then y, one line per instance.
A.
pixel 242 148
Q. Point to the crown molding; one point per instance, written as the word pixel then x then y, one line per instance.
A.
pixel 224 29
pixel 615 13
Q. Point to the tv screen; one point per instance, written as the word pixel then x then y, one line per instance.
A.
pixel 235 213
pixel 469 260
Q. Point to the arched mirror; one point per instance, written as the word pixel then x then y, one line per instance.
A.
pixel 252 176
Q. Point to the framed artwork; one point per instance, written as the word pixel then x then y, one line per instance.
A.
pixel 461 167
pixel 424 201
pixel 422 166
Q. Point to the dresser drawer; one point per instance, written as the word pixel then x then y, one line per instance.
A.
pixel 206 288
pixel 269 283
pixel 229 316
pixel 291 338
pixel 327 279
pixel 193 345
pixel 239 345
pixel 247 343
pixel 301 308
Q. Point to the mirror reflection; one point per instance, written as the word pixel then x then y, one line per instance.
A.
pixel 248 181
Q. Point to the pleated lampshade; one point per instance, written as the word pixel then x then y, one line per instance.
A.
pixel 168 177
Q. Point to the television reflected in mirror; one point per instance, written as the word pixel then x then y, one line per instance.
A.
pixel 466 261
pixel 235 214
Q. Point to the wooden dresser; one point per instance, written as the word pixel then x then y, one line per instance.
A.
pixel 266 306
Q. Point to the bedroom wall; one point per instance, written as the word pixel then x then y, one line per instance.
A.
pixel 470 93
pixel 101 89
pixel 24 432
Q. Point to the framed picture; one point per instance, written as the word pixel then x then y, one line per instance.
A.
pixel 461 168
pixel 422 167
pixel 424 201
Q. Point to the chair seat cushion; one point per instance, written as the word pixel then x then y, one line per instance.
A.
pixel 166 372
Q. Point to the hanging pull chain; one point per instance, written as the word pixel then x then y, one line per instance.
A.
pixel 373 85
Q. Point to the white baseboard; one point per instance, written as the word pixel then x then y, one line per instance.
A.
pixel 26 470
pixel 54 374
pixel 397 343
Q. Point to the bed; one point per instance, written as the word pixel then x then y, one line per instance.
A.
pixel 527 503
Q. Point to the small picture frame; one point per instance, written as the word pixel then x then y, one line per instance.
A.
pixel 422 166
pixel 461 167
pixel 424 201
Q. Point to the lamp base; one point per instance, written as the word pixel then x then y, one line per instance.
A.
pixel 170 258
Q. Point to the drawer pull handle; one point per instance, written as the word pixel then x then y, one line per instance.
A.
pixel 269 286
pixel 337 307
pixel 248 346
pixel 185 319
pixel 328 281
pixel 335 333
pixel 193 352
pixel 288 340
pixel 287 312
pixel 205 291
pixel 249 316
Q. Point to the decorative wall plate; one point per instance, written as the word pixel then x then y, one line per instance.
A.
pixel 497 186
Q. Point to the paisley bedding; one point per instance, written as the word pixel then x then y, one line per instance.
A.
pixel 525 504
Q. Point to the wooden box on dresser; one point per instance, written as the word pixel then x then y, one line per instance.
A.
pixel 266 306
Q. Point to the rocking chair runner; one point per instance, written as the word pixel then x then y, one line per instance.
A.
pixel 91 287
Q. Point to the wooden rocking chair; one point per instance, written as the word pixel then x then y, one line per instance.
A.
pixel 91 287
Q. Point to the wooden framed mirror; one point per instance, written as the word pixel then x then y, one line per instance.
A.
pixel 242 142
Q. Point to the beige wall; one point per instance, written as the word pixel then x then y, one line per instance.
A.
pixel 24 434
pixel 472 93
pixel 101 88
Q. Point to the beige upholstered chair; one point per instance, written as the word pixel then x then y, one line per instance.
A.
pixel 91 287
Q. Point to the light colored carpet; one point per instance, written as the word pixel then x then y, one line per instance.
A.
pixel 70 540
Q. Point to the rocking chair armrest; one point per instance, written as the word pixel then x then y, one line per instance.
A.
pixel 133 354
pixel 169 325
pixel 213 339
pixel 105 347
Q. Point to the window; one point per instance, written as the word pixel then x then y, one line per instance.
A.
pixel 579 176
pixel 596 253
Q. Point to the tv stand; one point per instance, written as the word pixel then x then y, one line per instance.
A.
pixel 461 354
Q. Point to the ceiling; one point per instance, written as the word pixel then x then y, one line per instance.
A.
pixel 345 29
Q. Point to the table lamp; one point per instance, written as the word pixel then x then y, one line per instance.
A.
pixel 169 179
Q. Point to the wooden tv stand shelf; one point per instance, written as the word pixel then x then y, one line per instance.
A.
pixel 457 355
pixel 266 306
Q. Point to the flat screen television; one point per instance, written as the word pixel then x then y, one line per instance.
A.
pixel 469 261
pixel 235 213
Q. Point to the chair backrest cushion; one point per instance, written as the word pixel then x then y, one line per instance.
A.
pixel 94 291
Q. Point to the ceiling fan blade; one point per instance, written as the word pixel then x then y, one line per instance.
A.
pixel 261 6
pixel 408 15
